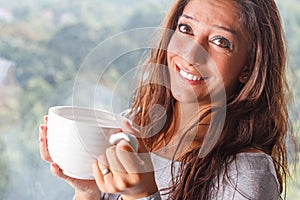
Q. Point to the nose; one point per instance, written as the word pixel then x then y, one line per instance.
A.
pixel 194 52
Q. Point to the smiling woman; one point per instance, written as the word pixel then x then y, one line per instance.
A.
pixel 218 73
pixel 240 49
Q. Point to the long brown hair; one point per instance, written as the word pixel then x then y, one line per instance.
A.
pixel 260 104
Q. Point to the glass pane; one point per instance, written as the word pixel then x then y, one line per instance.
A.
pixel 46 59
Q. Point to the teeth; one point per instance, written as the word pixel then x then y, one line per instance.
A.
pixel 189 76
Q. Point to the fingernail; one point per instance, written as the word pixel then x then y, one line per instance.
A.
pixel 42 127
pixel 129 122
pixel 125 146
pixel 54 165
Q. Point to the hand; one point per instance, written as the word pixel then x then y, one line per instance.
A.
pixel 84 189
pixel 131 174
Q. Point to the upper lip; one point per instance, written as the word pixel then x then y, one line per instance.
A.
pixel 191 75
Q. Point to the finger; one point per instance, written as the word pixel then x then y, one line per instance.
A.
pixel 43 144
pixel 124 146
pixel 133 162
pixel 116 138
pixel 42 131
pixel 57 171
pixel 113 160
pixel 103 162
pixel 103 165
pixel 127 127
pixel 98 176
pixel 46 119
pixel 102 181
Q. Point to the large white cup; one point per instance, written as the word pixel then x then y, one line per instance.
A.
pixel 77 136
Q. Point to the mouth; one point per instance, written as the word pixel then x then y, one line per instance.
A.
pixel 190 78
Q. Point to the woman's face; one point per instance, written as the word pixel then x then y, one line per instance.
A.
pixel 207 52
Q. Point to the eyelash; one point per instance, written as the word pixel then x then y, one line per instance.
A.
pixel 185 26
pixel 227 45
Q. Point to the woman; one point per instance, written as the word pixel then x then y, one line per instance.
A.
pixel 246 158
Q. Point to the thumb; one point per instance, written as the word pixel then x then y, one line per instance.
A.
pixel 129 128
pixel 125 146
pixel 131 161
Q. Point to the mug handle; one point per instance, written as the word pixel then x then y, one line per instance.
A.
pixel 115 138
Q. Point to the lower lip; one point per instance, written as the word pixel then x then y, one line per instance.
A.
pixel 190 82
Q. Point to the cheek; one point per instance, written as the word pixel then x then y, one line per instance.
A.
pixel 170 53
pixel 169 58
pixel 173 49
pixel 230 73
pixel 179 45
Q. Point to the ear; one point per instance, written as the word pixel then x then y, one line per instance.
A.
pixel 244 75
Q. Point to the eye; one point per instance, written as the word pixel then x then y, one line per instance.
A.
pixel 222 42
pixel 184 28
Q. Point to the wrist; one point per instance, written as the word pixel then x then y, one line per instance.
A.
pixel 153 196
pixel 80 195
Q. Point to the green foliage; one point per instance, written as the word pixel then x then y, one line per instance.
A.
pixel 48 41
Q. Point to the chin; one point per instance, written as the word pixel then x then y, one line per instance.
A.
pixel 184 97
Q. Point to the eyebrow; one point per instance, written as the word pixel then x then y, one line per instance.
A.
pixel 189 17
pixel 232 31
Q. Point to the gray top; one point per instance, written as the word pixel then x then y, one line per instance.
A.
pixel 252 176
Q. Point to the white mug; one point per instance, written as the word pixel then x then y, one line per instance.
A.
pixel 77 136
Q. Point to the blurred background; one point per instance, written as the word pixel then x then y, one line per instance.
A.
pixel 43 46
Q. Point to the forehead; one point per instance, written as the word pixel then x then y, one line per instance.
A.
pixel 219 12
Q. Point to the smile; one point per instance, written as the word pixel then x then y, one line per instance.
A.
pixel 190 77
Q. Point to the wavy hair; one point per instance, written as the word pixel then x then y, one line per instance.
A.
pixel 260 104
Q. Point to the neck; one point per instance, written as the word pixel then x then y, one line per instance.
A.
pixel 187 116
pixel 189 113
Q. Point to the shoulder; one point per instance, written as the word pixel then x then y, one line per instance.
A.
pixel 249 176
pixel 253 162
